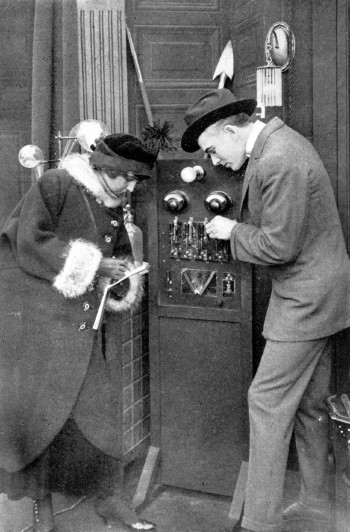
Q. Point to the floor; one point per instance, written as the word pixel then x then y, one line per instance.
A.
pixel 172 509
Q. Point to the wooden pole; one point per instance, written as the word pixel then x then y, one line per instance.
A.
pixel 139 77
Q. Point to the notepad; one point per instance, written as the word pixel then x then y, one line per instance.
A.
pixel 143 269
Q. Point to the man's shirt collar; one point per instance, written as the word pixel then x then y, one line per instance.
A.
pixel 258 126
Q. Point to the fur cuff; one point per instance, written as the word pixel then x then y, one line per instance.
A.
pixel 132 298
pixel 79 270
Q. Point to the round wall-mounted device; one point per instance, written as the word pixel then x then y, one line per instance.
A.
pixel 218 202
pixel 176 201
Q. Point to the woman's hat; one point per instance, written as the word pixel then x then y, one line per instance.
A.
pixel 124 153
pixel 208 109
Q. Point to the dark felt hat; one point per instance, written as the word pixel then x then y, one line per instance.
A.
pixel 124 153
pixel 208 109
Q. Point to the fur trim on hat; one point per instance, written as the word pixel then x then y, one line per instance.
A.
pixel 79 168
pixel 133 297
pixel 79 270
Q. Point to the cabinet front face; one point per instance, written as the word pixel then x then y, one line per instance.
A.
pixel 200 329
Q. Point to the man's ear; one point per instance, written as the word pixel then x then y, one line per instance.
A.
pixel 232 130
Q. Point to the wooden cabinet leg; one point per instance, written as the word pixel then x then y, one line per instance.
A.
pixel 146 476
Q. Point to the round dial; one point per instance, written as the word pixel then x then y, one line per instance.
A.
pixel 218 202
pixel 176 201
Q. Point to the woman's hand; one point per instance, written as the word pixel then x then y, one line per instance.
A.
pixel 114 268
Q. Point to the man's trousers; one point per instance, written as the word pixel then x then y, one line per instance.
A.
pixel 288 392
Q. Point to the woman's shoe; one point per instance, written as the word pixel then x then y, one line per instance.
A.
pixel 114 511
pixel 142 524
pixel 43 515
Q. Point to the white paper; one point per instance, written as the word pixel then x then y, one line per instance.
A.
pixel 140 269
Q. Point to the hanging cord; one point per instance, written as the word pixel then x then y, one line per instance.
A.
pixel 64 510
pixel 290 70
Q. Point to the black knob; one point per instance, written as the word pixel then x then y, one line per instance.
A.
pixel 173 205
pixel 176 201
pixel 218 202
pixel 215 205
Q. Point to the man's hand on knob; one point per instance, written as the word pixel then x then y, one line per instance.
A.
pixel 220 227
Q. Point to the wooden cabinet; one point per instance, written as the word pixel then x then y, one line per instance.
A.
pixel 200 336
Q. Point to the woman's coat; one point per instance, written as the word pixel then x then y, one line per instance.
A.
pixel 50 249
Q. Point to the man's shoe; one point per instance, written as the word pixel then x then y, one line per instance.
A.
pixel 299 511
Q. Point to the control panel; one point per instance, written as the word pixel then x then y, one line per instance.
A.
pixel 197 270
pixel 188 240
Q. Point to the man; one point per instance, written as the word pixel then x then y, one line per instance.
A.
pixel 290 224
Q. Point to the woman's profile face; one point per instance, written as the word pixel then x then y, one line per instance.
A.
pixel 116 187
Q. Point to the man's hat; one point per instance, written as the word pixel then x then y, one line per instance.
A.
pixel 208 109
pixel 124 153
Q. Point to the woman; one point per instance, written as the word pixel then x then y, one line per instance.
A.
pixel 60 246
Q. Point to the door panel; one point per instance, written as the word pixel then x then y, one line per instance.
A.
pixel 204 425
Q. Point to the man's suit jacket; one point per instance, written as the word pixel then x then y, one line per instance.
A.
pixel 290 223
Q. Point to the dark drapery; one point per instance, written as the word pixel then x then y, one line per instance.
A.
pixel 55 88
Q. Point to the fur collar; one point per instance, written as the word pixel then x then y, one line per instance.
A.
pixel 79 169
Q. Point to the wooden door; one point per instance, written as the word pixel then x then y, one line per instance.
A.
pixel 178 43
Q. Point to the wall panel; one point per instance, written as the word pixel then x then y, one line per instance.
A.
pixel 103 75
pixel 176 55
